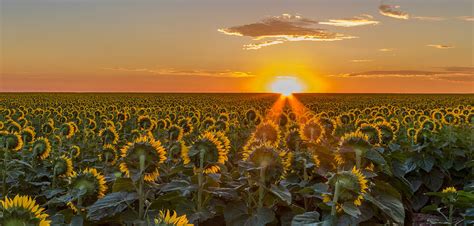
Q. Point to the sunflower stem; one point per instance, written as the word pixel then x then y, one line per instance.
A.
pixel 261 189
pixel 358 154
pixel 200 179
pixel 141 201
pixel 451 211
pixel 335 200
pixel 4 179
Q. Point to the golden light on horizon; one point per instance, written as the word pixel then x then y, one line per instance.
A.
pixel 286 85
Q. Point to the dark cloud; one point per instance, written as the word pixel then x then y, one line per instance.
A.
pixel 284 28
pixel 393 11
pixel 454 74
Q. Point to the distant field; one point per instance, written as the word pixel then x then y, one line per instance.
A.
pixel 240 159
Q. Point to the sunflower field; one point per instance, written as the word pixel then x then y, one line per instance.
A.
pixel 236 159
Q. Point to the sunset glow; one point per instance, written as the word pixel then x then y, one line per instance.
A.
pixel 286 85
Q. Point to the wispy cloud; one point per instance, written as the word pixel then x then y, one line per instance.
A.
pixel 177 72
pixel 440 46
pixel 285 28
pixel 393 11
pixel 452 74
pixel 355 21
pixel 361 60
pixel 467 18
pixel 386 50
pixel 428 18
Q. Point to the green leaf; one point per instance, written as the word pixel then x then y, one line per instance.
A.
pixel 375 156
pixel 77 221
pixel 282 193
pixel 351 209
pixel 434 180
pixel 263 216
pixel 110 205
pixel 306 219
pixel 123 184
pixel 426 163
pixel 387 199
pixel 237 214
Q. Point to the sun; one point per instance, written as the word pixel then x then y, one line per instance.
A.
pixel 286 85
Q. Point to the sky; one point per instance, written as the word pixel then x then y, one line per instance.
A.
pixel 359 46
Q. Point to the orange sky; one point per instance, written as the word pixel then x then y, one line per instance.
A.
pixel 236 46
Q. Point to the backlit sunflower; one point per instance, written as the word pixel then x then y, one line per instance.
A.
pixel 75 151
pixel 41 147
pixel 352 187
pixel 63 167
pixel 175 133
pixel 153 153
pixel 12 141
pixel 312 131
pixel 144 122
pixel 28 134
pixel 373 133
pixel 109 154
pixel 388 134
pixel 267 132
pixel 109 135
pixel 266 156
pixel 355 142
pixel 92 182
pixel 67 130
pixel 208 149
pixel 22 210
pixel 167 219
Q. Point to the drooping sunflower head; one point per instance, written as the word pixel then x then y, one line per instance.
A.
pixel 12 141
pixel 312 131
pixel 109 135
pixel 75 151
pixel 143 147
pixel 353 185
pixel 167 219
pixel 144 122
pixel 208 122
pixel 23 210
pixel 429 125
pixel 355 141
pixel 62 167
pixel 109 154
pixel 293 139
pixel 267 132
pixel 47 128
pixel 67 130
pixel 28 134
pixel 187 125
pixel 328 124
pixel 175 133
pixel 422 135
pixel 209 149
pixel 373 133
pixel 92 182
pixel 178 150
pixel 41 147
pixel 388 134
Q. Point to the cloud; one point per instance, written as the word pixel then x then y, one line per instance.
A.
pixel 467 18
pixel 439 46
pixel 428 18
pixel 452 74
pixel 361 60
pixel 392 11
pixel 285 28
pixel 177 72
pixel 361 20
pixel 386 50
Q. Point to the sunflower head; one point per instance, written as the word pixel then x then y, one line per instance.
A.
pixel 177 150
pixel 388 133
pixel 293 139
pixel 41 147
pixel 312 131
pixel 75 151
pixel 421 135
pixel 175 133
pixel 186 124
pixel 355 141
pixel 267 132
pixel 144 122
pixel 63 167
pixel 47 128
pixel 67 130
pixel 373 133
pixel 28 134
pixel 12 141
pixel 92 182
pixel 328 124
pixel 168 218
pixel 210 150
pixel 23 210
pixel 266 156
pixel 109 135
pixel 145 147
pixel 109 154
pixel 353 185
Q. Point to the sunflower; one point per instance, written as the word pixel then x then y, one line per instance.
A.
pixel 92 182
pixel 109 135
pixel 353 185
pixel 23 210
pixel 63 167
pixel 153 152
pixel 12 141
pixel 186 124
pixel 28 134
pixel 373 133
pixel 67 130
pixel 41 147
pixel 266 156
pixel 450 118
pixel 328 124
pixel 421 135
pixel 208 122
pixel 449 190
pixel 388 134
pixel 47 128
pixel 13 126
pixel 108 154
pixel 144 122
pixel 267 132
pixel 312 131
pixel 167 219
pixel 75 151
pixel 355 142
pixel 293 139
pixel 175 133
pixel 208 149
pixel 177 150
